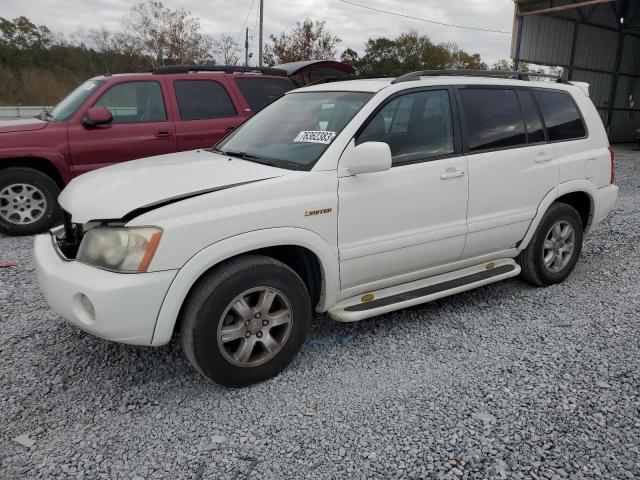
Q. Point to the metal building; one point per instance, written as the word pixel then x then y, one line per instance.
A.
pixel 596 41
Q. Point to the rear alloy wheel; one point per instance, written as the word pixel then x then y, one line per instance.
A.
pixel 555 248
pixel 245 321
pixel 27 201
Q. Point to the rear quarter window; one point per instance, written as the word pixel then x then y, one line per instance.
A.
pixel 561 115
pixel 260 92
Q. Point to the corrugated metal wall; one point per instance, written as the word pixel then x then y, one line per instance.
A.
pixel 548 40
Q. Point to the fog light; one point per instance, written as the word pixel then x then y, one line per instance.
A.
pixel 84 309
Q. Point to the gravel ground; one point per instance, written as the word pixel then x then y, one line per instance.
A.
pixel 507 381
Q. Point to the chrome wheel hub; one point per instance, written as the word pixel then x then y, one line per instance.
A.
pixel 558 246
pixel 255 326
pixel 21 203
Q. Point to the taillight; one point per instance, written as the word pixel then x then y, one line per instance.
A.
pixel 613 165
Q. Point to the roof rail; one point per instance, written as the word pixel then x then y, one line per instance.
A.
pixel 408 77
pixel 172 69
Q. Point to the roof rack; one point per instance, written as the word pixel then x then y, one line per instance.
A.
pixel 172 69
pixel 408 77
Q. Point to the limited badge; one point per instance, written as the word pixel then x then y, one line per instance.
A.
pixel 314 136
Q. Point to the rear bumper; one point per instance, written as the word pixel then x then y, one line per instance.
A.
pixel 126 306
pixel 606 199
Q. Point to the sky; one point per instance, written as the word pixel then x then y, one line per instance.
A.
pixel 353 24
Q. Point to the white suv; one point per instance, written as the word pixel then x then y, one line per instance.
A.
pixel 354 198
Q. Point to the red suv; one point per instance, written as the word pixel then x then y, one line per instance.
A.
pixel 115 118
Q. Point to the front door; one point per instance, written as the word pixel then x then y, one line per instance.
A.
pixel 393 225
pixel 140 127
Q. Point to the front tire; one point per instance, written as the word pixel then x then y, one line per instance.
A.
pixel 245 321
pixel 555 248
pixel 28 201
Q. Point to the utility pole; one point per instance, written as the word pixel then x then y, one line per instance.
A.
pixel 246 49
pixel 260 38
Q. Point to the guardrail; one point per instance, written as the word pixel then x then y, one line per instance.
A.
pixel 20 111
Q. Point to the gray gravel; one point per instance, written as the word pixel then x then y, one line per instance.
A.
pixel 507 381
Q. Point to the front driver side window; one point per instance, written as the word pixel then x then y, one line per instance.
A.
pixel 134 102
pixel 416 126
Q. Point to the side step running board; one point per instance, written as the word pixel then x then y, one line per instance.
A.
pixel 422 291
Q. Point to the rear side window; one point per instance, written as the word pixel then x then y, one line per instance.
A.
pixel 203 99
pixel 535 132
pixel 134 102
pixel 561 115
pixel 493 118
pixel 260 92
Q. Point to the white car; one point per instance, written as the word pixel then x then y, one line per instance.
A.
pixel 353 198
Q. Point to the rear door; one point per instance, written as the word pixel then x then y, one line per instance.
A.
pixel 511 166
pixel 140 127
pixel 205 111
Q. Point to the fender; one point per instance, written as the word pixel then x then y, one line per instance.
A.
pixel 56 159
pixel 239 244
pixel 557 192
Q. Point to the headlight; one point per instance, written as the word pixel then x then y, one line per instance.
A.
pixel 119 249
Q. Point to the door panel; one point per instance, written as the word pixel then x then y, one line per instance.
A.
pixel 505 189
pixel 140 128
pixel 206 112
pixel 401 221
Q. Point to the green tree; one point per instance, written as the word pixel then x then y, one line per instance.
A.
pixel 410 52
pixel 308 41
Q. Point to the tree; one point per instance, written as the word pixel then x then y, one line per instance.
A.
pixel 21 33
pixel 164 36
pixel 308 41
pixel 410 52
pixel 226 50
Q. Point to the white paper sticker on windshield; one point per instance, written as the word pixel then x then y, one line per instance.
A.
pixel 314 136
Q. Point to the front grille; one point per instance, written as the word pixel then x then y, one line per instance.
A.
pixel 70 242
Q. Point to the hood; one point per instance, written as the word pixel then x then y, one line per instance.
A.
pixel 21 125
pixel 128 189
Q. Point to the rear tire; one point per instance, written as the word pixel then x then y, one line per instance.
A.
pixel 28 201
pixel 245 321
pixel 555 247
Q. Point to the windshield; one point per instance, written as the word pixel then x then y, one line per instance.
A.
pixel 294 131
pixel 67 107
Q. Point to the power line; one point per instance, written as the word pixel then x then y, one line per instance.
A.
pixel 245 21
pixel 423 19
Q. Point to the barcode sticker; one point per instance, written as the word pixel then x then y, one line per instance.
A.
pixel 314 136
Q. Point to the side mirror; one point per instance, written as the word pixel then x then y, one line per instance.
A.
pixel 97 116
pixel 368 157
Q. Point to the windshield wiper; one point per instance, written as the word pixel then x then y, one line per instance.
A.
pixel 246 156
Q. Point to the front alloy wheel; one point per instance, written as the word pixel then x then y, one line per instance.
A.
pixel 245 321
pixel 254 327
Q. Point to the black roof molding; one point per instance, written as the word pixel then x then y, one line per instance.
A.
pixel 173 69
pixel 409 77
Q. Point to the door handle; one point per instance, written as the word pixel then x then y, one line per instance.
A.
pixel 163 134
pixel 229 130
pixel 451 173
pixel 543 157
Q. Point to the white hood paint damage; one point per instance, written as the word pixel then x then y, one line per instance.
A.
pixel 113 192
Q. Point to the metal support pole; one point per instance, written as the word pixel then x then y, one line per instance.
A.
pixel 246 49
pixel 574 42
pixel 260 45
pixel 516 60
pixel 614 82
